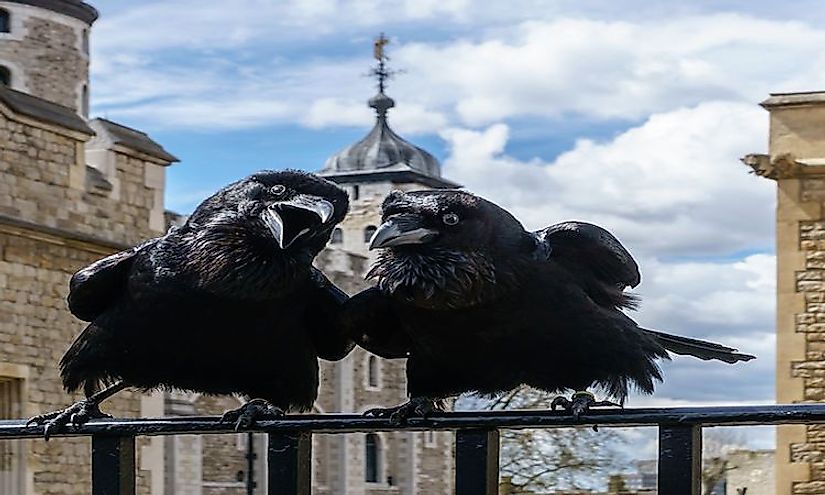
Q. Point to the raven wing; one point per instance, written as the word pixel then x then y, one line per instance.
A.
pixel 594 256
pixel 370 319
pixel 323 318
pixel 605 268
pixel 93 289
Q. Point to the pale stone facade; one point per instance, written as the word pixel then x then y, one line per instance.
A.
pixel 57 43
pixel 796 161
pixel 51 224
pixel 751 472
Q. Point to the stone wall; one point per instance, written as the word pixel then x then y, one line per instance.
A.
pixel 50 226
pixel 43 181
pixel 35 329
pixel 796 161
pixel 46 54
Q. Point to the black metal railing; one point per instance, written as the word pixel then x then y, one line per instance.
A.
pixel 477 440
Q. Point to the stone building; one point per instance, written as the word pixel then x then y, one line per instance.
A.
pixel 73 190
pixel 796 161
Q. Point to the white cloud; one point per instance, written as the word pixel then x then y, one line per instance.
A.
pixel 673 190
pixel 671 186
pixel 610 69
pixel 507 69
pixel 334 112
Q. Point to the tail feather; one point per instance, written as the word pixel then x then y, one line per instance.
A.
pixel 79 366
pixel 701 349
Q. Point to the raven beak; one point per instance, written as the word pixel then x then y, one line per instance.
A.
pixel 400 230
pixel 289 220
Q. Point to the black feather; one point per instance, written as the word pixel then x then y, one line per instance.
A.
pixel 217 305
pixel 483 305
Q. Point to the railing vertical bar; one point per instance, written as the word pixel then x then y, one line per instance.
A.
pixel 476 462
pixel 680 459
pixel 113 465
pixel 289 458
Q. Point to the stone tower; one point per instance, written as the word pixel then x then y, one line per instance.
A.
pixel 44 49
pixel 406 463
pixel 374 166
pixel 796 161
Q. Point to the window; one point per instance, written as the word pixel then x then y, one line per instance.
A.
pixel 84 100
pixel 372 372
pixel 86 41
pixel 430 439
pixel 372 450
pixel 356 192
pixel 11 452
pixel 5 21
pixel 5 76
pixel 368 232
pixel 337 236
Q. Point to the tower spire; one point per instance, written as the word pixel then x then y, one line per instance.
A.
pixel 378 53
pixel 381 102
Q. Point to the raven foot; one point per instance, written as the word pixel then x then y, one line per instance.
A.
pixel 580 403
pixel 77 414
pixel 416 407
pixel 254 410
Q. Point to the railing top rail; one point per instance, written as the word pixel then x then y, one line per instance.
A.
pixel 349 423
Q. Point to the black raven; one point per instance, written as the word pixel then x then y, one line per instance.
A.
pixel 478 304
pixel 227 303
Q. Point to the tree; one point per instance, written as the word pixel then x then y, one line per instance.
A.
pixel 555 458
pixel 717 443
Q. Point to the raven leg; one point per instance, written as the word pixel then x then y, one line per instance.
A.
pixel 416 407
pixel 580 403
pixel 78 413
pixel 246 415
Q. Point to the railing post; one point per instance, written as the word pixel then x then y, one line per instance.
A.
pixel 680 460
pixel 113 465
pixel 290 463
pixel 476 462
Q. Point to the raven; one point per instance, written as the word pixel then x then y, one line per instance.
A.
pixel 478 304
pixel 227 303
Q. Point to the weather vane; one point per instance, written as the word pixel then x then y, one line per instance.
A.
pixel 381 71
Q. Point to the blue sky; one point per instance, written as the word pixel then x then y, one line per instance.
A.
pixel 626 113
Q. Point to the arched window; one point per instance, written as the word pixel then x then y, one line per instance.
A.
pixel 372 451
pixel 5 21
pixel 337 236
pixel 372 372
pixel 5 76
pixel 368 232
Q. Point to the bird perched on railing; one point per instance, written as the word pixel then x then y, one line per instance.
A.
pixel 478 304
pixel 227 303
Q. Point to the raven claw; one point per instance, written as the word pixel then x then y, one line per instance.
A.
pixel 417 407
pixel 77 414
pixel 581 403
pixel 254 410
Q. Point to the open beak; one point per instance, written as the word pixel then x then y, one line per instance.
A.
pixel 291 219
pixel 401 230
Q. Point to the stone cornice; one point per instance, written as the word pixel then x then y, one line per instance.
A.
pixel 72 8
pixel 37 112
pixel 794 99
pixel 59 237
pixel 783 166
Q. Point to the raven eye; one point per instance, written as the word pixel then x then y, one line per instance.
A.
pixel 277 190
pixel 450 218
